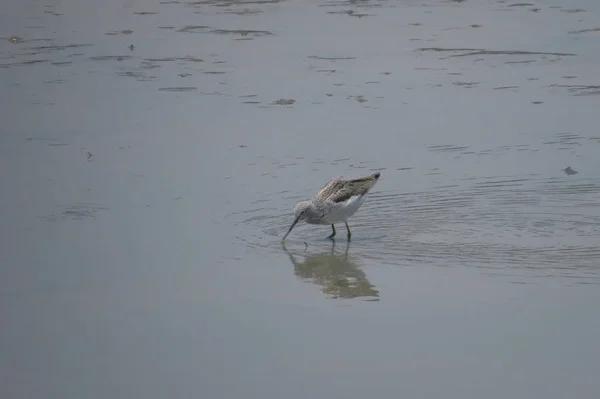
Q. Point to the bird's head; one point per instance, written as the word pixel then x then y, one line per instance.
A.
pixel 299 214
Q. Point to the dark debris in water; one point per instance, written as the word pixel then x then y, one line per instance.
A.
pixel 187 58
pixel 27 62
pixel 214 93
pixel 352 3
pixel 566 139
pixel 131 74
pixel 78 211
pixel 581 90
pixel 284 101
pixel 359 98
pixel 569 171
pixel 49 49
pixel 350 13
pixel 466 85
pixel 148 65
pixel 245 11
pixel 242 32
pixel 446 148
pixel 465 52
pixel 119 32
pixel 316 57
pixel 520 62
pixel 584 31
pixel 521 5
pixel 229 3
pixel 191 28
pixel 111 58
pixel 178 89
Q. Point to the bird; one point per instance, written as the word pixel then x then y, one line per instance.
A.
pixel 336 202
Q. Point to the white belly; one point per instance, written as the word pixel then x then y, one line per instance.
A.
pixel 341 211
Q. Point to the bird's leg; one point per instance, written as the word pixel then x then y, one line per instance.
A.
pixel 332 234
pixel 349 233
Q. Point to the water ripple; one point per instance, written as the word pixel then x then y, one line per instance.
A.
pixel 542 228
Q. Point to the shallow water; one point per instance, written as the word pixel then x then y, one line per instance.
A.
pixel 152 153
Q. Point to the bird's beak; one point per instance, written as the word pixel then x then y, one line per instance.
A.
pixel 291 227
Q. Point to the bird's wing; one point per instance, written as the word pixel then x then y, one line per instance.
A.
pixel 343 190
pixel 331 187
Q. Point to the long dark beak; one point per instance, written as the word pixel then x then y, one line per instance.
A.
pixel 291 227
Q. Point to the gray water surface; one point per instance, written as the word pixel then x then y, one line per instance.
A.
pixel 151 154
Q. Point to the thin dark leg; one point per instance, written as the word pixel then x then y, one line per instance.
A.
pixel 349 233
pixel 332 234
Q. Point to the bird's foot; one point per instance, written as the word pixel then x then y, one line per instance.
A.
pixel 333 232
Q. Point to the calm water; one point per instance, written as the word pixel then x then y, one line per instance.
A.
pixel 151 154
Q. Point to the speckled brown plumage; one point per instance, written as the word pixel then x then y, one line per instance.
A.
pixel 339 190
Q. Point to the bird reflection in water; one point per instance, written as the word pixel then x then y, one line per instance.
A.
pixel 337 274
